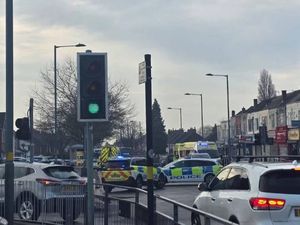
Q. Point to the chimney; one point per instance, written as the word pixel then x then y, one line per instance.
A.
pixel 243 109
pixel 255 102
pixel 232 113
pixel 283 93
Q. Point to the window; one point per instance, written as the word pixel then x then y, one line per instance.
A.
pixel 202 163
pixel 61 172
pixel 218 183
pixel 22 171
pixel 237 180
pixel 256 124
pixel 121 164
pixel 2 173
pixel 183 163
pixel 139 162
pixel 280 181
pixel 250 125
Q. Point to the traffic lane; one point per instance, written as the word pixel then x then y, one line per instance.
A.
pixel 184 194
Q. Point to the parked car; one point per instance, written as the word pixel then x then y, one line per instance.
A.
pixel 191 170
pixel 130 172
pixel 55 188
pixel 252 193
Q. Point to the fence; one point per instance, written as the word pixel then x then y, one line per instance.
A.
pixel 66 204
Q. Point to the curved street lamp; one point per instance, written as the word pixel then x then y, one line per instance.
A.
pixel 55 80
pixel 202 128
pixel 228 116
pixel 180 114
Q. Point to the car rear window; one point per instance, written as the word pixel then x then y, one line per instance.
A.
pixel 61 172
pixel 280 181
pixel 124 164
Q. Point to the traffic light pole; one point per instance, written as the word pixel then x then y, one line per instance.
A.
pixel 88 133
pixel 9 165
pixel 148 90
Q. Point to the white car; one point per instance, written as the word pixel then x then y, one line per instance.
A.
pixel 191 170
pixel 39 186
pixel 252 193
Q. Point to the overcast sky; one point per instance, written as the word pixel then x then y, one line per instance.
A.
pixel 186 39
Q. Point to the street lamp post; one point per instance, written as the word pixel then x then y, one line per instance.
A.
pixel 228 116
pixel 55 80
pixel 180 114
pixel 202 128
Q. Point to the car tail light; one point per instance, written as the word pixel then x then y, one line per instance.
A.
pixel 266 203
pixel 82 182
pixel 48 182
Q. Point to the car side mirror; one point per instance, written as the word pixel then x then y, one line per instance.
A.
pixel 203 187
pixel 172 167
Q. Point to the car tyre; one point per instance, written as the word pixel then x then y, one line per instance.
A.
pixel 28 207
pixel 107 189
pixel 71 210
pixel 139 182
pixel 195 219
pixel 208 178
pixel 161 181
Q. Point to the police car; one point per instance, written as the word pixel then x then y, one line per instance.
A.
pixel 130 172
pixel 191 170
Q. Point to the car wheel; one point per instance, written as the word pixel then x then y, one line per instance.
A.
pixel 107 189
pixel 28 207
pixel 160 183
pixel 139 182
pixel 195 219
pixel 72 211
pixel 208 178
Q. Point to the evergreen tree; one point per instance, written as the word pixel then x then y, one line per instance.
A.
pixel 160 137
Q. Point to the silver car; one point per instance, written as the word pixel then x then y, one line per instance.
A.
pixel 253 193
pixel 40 187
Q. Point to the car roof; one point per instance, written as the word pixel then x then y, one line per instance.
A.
pixel 265 166
pixel 199 159
pixel 36 165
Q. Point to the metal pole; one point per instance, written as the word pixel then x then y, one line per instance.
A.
pixel 148 90
pixel 90 173
pixel 180 111
pixel 31 128
pixel 228 118
pixel 202 130
pixel 55 94
pixel 9 165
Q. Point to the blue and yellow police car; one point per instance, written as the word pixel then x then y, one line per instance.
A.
pixel 130 172
pixel 191 170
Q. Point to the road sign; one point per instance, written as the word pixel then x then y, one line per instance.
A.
pixel 142 72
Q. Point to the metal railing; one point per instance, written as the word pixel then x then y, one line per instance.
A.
pixel 66 204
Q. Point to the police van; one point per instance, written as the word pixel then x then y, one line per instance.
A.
pixel 130 172
pixel 191 170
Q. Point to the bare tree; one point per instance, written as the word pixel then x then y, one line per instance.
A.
pixel 69 130
pixel 266 88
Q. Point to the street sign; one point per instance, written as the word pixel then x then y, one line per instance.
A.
pixel 142 72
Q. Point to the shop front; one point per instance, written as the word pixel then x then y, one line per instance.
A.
pixel 293 141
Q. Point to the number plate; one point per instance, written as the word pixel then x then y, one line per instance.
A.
pixel 297 212
pixel 69 188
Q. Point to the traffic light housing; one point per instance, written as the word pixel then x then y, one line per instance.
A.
pixel 92 87
pixel 23 133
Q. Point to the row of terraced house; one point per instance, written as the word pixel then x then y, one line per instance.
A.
pixel 269 127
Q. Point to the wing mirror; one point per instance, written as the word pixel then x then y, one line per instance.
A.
pixel 202 187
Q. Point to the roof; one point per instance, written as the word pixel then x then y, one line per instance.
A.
pixel 274 102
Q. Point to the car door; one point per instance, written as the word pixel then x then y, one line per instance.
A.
pixel 230 200
pixel 212 198
pixel 176 172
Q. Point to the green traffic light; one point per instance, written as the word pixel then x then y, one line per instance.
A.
pixel 93 108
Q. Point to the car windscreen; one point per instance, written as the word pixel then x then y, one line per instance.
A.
pixel 280 181
pixel 121 164
pixel 212 153
pixel 61 172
